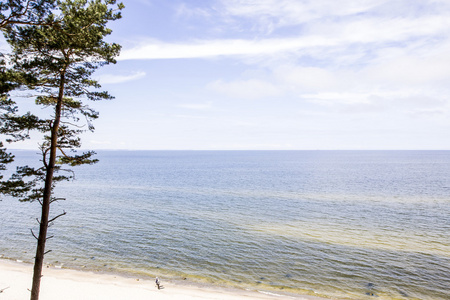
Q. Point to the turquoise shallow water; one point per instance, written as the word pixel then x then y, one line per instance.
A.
pixel 346 224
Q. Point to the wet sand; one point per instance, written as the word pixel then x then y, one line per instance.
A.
pixel 15 282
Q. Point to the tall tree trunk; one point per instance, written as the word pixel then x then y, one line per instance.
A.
pixel 42 238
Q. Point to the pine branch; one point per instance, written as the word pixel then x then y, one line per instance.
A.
pixel 60 215
pixel 57 199
pixel 21 18
pixel 33 234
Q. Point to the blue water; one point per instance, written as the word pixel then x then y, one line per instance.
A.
pixel 345 224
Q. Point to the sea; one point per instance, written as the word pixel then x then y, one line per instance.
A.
pixel 334 224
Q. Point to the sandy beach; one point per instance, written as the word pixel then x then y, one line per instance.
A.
pixel 15 280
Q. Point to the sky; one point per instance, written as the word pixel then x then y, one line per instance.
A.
pixel 277 75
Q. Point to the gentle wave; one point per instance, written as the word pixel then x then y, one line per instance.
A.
pixel 338 224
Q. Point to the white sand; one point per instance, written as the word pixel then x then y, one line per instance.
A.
pixel 67 284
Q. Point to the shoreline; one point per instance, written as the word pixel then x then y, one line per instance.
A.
pixel 15 280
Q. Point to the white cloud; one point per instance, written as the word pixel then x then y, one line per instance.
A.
pixel 338 98
pixel 420 101
pixel 183 10
pixel 246 89
pixel 306 79
pixel 209 48
pixel 279 13
pixel 428 113
pixel 411 70
pixel 384 29
pixel 369 33
pixel 114 78
pixel 381 101
pixel 270 14
pixel 197 106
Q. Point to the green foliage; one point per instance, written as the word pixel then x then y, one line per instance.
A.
pixel 14 13
pixel 5 158
pixel 28 12
pixel 55 51
pixel 24 184
pixel 8 107
pixel 59 61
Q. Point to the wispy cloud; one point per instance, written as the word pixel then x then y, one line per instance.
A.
pixel 380 101
pixel 183 10
pixel 117 78
pixel 368 33
pixel 366 57
pixel 210 48
pixel 245 89
pixel 197 106
pixel 279 13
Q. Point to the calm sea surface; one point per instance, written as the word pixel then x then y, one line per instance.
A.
pixel 345 224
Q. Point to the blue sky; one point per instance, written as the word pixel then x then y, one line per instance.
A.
pixel 277 74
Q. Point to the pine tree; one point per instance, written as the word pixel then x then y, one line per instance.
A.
pixel 15 13
pixel 59 61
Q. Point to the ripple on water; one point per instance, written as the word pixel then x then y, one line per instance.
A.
pixel 341 224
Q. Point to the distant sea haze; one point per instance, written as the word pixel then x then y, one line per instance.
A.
pixel 343 224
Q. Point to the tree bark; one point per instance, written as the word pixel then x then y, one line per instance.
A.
pixel 42 238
